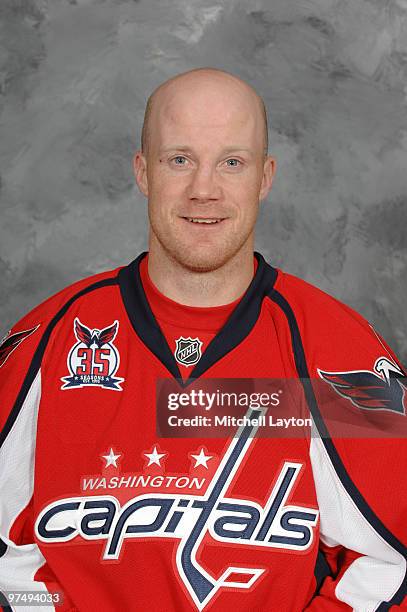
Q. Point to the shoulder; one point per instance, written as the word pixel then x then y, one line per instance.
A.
pixel 309 301
pixel 327 328
pixel 47 314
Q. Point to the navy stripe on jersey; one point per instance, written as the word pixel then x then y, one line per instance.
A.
pixel 321 571
pixel 356 496
pixel 236 328
pixel 39 353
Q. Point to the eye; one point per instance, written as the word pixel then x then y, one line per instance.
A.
pixel 179 160
pixel 233 162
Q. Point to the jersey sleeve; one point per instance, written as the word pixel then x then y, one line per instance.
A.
pixel 360 482
pixel 359 474
pixel 20 396
pixel 366 560
pixel 25 353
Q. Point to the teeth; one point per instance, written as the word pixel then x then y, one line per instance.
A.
pixel 203 220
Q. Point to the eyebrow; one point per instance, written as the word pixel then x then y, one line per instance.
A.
pixel 187 149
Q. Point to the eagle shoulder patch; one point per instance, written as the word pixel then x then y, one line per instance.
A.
pixel 382 388
pixel 94 359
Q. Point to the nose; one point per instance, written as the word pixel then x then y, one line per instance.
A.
pixel 203 186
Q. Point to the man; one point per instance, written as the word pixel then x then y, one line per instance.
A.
pixel 99 509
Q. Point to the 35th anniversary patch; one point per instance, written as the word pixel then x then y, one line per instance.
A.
pixel 94 359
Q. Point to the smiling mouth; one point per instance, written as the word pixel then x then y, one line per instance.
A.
pixel 204 220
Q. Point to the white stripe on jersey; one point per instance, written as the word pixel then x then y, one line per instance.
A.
pixel 377 575
pixel 20 563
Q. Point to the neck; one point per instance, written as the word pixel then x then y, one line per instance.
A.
pixel 214 288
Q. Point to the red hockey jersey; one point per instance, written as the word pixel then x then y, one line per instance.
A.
pixel 99 512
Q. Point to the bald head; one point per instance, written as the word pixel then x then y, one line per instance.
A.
pixel 204 168
pixel 218 83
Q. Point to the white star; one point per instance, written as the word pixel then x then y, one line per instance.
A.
pixel 154 457
pixel 111 458
pixel 201 459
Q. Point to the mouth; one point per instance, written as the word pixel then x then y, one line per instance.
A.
pixel 204 220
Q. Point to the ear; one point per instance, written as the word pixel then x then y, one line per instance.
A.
pixel 269 170
pixel 140 172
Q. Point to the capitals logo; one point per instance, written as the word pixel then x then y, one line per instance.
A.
pixel 94 359
pixel 188 516
pixel 384 388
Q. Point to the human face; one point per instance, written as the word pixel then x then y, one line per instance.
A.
pixel 204 174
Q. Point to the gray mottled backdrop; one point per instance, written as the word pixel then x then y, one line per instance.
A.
pixel 74 78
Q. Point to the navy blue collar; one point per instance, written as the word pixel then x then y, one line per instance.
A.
pixel 236 328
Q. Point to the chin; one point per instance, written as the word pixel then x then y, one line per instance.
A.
pixel 201 257
pixel 205 260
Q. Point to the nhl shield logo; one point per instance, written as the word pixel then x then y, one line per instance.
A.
pixel 188 350
pixel 94 359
